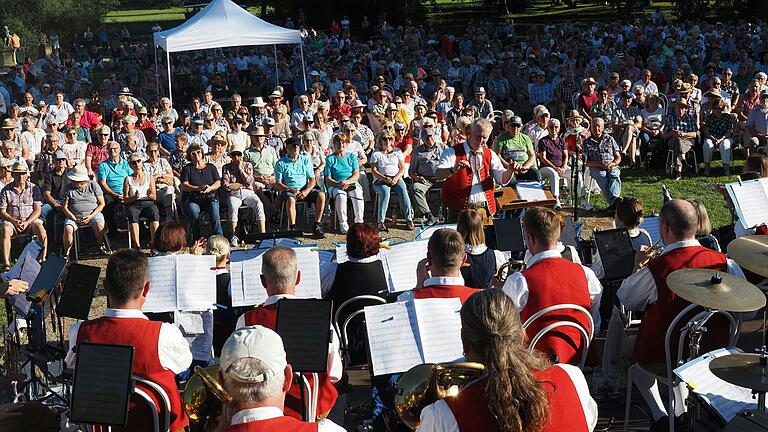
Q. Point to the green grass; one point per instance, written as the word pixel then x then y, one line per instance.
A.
pixel 154 15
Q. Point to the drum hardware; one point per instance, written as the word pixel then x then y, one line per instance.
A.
pixel 744 370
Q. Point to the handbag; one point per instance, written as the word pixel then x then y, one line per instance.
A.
pixel 200 198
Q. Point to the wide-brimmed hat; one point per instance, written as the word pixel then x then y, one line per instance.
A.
pixel 357 104
pixel 9 124
pixel 237 149
pixel 142 110
pixel 257 131
pixel 78 173
pixel 574 114
pixel 275 94
pixel 268 122
pixel 258 102
pixel 683 102
pixel 218 137
pixel 20 167
pixel 685 88
pixel 125 91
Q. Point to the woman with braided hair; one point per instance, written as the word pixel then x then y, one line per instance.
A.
pixel 521 391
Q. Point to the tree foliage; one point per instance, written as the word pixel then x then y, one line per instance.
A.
pixel 67 18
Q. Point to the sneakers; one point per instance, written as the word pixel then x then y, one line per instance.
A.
pixel 234 242
pixel 343 228
pixel 318 231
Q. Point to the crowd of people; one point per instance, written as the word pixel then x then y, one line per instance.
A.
pixel 405 112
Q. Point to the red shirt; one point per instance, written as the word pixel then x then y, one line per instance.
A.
pixel 403 145
pixel 98 155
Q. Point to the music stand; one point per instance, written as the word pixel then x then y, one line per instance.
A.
pixel 50 272
pixel 509 234
pixel 79 288
pixel 102 384
pixel 304 325
pixel 616 253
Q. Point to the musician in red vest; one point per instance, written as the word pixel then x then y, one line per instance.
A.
pixel 521 391
pixel 280 275
pixel 647 290
pixel 549 280
pixel 254 371
pixel 160 349
pixel 439 274
pixel 468 171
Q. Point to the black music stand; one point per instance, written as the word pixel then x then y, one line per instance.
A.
pixel 618 258
pixel 304 325
pixel 102 384
pixel 79 288
pixel 509 234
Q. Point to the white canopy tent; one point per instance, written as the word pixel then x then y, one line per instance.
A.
pixel 224 24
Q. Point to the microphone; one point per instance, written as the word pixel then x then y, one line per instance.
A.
pixel 665 193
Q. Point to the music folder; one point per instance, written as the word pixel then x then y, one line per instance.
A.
pixel 509 234
pixel 102 384
pixel 616 253
pixel 304 325
pixel 79 288
pixel 50 272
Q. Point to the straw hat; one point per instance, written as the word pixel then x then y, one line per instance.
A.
pixel 78 173
pixel 20 167
pixel 574 114
pixel 9 124
pixel 257 131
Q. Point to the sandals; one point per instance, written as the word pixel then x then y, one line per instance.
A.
pixel 410 226
pixel 381 227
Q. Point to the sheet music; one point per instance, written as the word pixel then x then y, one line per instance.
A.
pixel 426 233
pixel 195 282
pixel 308 262
pixel 245 269
pixel 651 224
pixel 287 242
pixel 530 191
pixel 162 289
pixel 32 249
pixel 391 337
pixel 439 326
pixel 400 264
pixel 190 322
pixel 750 199
pixel 341 253
pixel 727 399
pixel 29 271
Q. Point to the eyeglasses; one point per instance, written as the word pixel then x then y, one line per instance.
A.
pixel 399 129
pixel 114 149
pixel 134 162
pixel 153 151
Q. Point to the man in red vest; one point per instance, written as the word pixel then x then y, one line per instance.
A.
pixel 469 170
pixel 439 274
pixel 550 280
pixel 647 290
pixel 254 371
pixel 160 349
pixel 280 275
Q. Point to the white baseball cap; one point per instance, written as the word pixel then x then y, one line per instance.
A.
pixel 254 342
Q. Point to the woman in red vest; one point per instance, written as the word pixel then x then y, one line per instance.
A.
pixel 521 391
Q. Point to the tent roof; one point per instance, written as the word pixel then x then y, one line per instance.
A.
pixel 223 24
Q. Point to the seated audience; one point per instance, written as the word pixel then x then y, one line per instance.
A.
pixel 139 200
pixel 717 130
pixel 603 158
pixel 388 169
pixel 82 205
pixel 296 179
pixel 20 205
pixel 111 175
pixel 237 182
pixel 341 177
pixel 422 172
pixel 199 183
pixel 162 173
pixel 553 155
pixel 681 130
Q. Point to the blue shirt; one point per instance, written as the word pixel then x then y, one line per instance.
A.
pixel 168 140
pixel 294 173
pixel 341 168
pixel 114 174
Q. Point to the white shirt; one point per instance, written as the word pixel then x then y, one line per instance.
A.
pixel 438 417
pixel 172 349
pixel 335 367
pixel 651 87
pixel 266 413
pixel 639 290
pixel 516 287
pixel 448 160
pixel 436 280
pixel 60 113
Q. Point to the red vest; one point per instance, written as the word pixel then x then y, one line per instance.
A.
pixel 649 347
pixel 470 407
pixel 444 291
pixel 553 281
pixel 267 316
pixel 143 335
pixel 457 187
pixel 276 424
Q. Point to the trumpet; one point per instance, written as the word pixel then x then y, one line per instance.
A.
pixel 204 398
pixel 424 384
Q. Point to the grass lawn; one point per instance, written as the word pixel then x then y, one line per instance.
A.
pixel 154 15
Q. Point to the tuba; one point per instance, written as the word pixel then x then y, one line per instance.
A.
pixel 424 384
pixel 204 398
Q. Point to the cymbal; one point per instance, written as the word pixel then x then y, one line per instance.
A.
pixel 751 252
pixel 715 290
pixel 743 370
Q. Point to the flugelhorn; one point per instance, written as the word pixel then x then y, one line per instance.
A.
pixel 204 398
pixel 424 384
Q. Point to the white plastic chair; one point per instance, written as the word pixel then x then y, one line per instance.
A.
pixel 670 380
pixel 342 330
pixel 587 334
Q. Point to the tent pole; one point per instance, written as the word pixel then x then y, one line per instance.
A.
pixel 303 68
pixel 170 90
pixel 157 74
pixel 277 69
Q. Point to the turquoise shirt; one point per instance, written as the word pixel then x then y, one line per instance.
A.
pixel 294 173
pixel 114 174
pixel 341 168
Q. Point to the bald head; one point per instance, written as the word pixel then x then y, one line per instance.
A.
pixel 678 221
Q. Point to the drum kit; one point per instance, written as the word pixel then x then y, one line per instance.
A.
pixel 714 290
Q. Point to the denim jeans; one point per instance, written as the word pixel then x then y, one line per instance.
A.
pixel 382 199
pixel 609 182
pixel 193 213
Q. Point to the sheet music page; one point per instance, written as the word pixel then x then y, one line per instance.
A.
pixel 751 202
pixel 426 233
pixel 245 269
pixel 195 282
pixel 309 265
pixel 439 327
pixel 391 337
pixel 32 249
pixel 530 191
pixel 727 399
pixel 29 272
pixel 400 264
pixel 341 253
pixel 651 224
pixel 162 289
pixel 287 242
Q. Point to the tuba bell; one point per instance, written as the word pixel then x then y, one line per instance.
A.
pixel 424 384
pixel 204 398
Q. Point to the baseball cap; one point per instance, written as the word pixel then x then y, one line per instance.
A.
pixel 254 342
pixel 186 113
pixel 516 120
pixel 763 92
pixel 60 155
pixel 269 121
pixel 197 120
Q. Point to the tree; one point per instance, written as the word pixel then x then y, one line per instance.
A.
pixel 32 20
